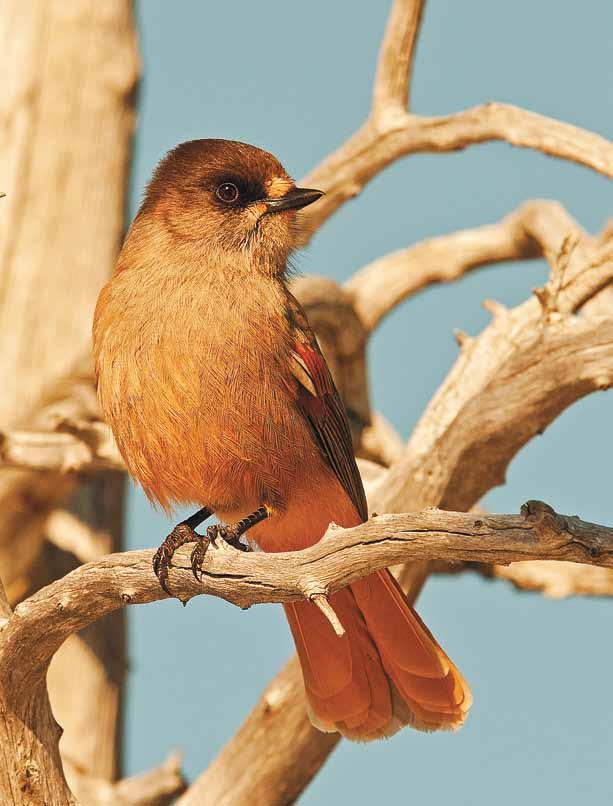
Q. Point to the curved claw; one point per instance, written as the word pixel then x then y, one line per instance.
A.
pixel 162 559
pixel 161 564
pixel 199 553
pixel 163 580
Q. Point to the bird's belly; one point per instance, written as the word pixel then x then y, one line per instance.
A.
pixel 315 500
pixel 229 443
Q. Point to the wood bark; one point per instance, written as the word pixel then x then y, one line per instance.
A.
pixel 67 118
pixel 39 625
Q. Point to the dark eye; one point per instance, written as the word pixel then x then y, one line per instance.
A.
pixel 227 192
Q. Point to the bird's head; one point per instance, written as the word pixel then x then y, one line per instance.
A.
pixel 230 199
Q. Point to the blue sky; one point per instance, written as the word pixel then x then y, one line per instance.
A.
pixel 295 78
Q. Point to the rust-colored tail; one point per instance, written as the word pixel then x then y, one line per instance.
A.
pixel 385 672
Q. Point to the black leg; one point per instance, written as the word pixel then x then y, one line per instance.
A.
pixel 182 533
pixel 197 518
pixel 231 534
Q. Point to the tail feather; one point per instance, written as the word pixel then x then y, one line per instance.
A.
pixel 397 627
pixel 339 689
pixel 325 659
pixel 385 672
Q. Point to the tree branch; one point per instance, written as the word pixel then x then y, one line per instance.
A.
pixel 555 579
pixel 40 624
pixel 393 77
pixel 79 447
pixel 383 140
pixel 535 229
pixel 156 787
pixel 507 385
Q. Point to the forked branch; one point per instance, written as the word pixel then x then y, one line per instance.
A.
pixel 391 132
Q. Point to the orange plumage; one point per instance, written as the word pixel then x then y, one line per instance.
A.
pixel 217 394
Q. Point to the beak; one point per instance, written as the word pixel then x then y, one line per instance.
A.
pixel 293 200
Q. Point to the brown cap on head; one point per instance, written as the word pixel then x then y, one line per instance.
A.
pixel 202 161
pixel 221 191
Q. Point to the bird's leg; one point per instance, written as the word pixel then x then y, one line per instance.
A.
pixel 231 535
pixel 182 533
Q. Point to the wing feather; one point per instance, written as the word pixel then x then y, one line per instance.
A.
pixel 321 405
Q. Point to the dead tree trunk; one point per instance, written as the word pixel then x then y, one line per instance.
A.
pixel 67 120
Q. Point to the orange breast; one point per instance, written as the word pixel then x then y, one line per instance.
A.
pixel 195 386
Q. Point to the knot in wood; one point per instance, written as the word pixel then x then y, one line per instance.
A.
pixel 275 697
pixel 545 519
pixel 537 511
pixel 312 588
pixel 62 604
pixel 29 780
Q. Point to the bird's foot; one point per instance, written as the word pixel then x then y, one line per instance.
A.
pixel 228 535
pixel 162 559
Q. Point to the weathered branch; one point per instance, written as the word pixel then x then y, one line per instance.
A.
pixel 81 447
pixel 393 78
pixel 556 579
pixel 507 385
pixel 380 142
pixel 535 229
pixel 156 787
pixel 40 624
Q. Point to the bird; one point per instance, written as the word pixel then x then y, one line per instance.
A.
pixel 219 396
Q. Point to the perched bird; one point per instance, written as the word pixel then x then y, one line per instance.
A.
pixel 218 394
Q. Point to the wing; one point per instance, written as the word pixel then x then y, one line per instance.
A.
pixel 321 405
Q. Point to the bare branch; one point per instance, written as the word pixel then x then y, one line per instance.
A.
pixel 535 229
pixel 75 446
pixel 507 385
pixel 393 78
pixel 384 139
pixel 156 787
pixel 41 623
pixel 519 127
pixel 557 579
